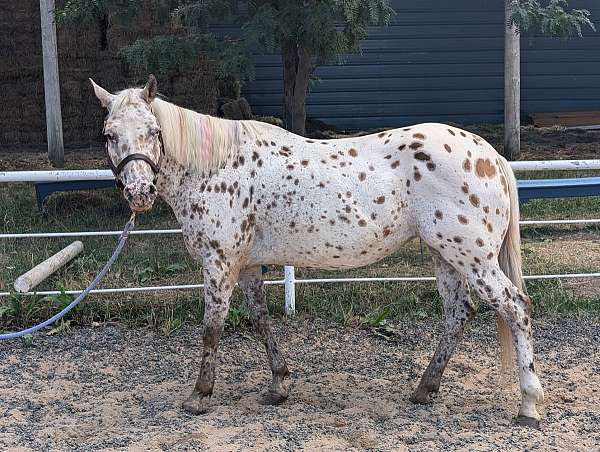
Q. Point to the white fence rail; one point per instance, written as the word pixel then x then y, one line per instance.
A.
pixel 290 281
pixel 72 175
pixel 33 235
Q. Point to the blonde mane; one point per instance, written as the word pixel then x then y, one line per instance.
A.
pixel 196 141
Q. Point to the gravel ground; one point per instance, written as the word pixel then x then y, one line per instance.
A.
pixel 112 388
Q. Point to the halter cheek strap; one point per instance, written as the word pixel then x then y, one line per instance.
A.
pixel 131 157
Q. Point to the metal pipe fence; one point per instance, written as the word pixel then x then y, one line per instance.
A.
pixel 289 281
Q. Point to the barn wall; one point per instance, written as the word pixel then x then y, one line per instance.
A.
pixel 441 61
pixel 22 112
pixel 438 61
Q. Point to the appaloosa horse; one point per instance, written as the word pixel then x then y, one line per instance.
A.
pixel 248 193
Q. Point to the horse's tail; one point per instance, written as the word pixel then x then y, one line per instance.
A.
pixel 510 263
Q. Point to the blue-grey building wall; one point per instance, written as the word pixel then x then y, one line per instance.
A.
pixel 442 61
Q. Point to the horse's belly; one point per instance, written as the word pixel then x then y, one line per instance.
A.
pixel 329 247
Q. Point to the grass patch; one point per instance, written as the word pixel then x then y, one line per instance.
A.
pixel 162 260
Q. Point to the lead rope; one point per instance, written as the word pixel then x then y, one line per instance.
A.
pixel 122 239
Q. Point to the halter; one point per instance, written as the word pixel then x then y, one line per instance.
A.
pixel 137 156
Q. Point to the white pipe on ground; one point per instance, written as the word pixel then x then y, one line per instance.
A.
pixel 40 272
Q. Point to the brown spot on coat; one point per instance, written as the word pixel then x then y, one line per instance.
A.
pixel 474 200
pixel 401 147
pixel 467 165
pixel 462 219
pixel 504 184
pixel 362 223
pixel 416 145
pixel 448 148
pixel 353 152
pixel 438 214
pixel 484 168
pixel 422 156
pixel 479 242
pixel 362 176
pixel 380 200
pixel 395 164
pixel 419 136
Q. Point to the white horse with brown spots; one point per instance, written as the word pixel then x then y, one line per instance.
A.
pixel 248 193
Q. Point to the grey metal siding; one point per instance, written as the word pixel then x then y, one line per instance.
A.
pixel 441 61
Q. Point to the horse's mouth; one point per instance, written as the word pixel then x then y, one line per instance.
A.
pixel 141 204
pixel 138 209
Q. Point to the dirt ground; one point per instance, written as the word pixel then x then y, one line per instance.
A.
pixel 110 388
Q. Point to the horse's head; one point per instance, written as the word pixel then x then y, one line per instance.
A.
pixel 133 142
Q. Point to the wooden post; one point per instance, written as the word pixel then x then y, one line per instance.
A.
pixel 512 88
pixel 54 131
pixel 40 272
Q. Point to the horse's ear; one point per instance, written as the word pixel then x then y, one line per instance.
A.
pixel 103 96
pixel 150 90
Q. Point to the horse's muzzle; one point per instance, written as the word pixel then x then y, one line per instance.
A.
pixel 140 197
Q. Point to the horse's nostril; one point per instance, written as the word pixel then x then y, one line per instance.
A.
pixel 152 189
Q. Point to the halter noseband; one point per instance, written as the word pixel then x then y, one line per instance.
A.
pixel 117 169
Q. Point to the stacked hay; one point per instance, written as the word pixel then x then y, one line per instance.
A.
pixel 83 52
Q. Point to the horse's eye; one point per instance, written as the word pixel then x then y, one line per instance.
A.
pixel 154 132
pixel 110 137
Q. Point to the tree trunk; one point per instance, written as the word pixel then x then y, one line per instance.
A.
pixel 512 90
pixel 297 68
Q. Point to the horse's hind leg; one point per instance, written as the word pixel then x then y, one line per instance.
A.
pixel 458 310
pixel 515 308
pixel 252 285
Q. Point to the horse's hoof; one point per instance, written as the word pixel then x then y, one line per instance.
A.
pixel 194 405
pixel 273 398
pixel 526 421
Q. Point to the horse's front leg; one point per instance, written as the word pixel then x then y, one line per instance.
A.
pixel 252 285
pixel 218 286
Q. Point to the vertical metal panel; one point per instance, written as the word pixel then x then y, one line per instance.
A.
pixel 441 61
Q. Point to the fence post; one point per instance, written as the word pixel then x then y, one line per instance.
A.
pixel 290 291
pixel 54 130
pixel 512 88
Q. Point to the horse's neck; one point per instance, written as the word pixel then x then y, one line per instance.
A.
pixel 172 181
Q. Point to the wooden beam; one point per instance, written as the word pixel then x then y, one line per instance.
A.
pixel 54 130
pixel 40 272
pixel 512 88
